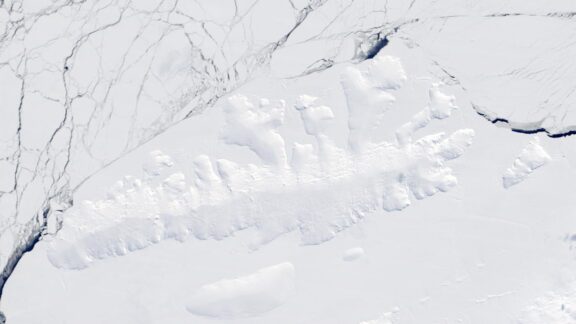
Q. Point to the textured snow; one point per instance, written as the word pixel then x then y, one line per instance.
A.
pixel 441 106
pixel 158 162
pixel 368 95
pixel 324 190
pixel 255 126
pixel 245 296
pixel 386 318
pixel 555 307
pixel 532 157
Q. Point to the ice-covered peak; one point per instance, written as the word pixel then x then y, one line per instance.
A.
pixel 321 191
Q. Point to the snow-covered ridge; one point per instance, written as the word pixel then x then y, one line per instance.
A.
pixel 318 192
pixel 532 157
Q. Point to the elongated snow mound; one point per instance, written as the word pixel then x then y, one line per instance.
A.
pixel 320 191
pixel 531 158
pixel 353 254
pixel 246 296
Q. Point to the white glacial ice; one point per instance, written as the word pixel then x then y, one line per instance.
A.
pixel 245 296
pixel 531 158
pixel 255 126
pixel 368 95
pixel 552 308
pixel 386 318
pixel 353 254
pixel 319 192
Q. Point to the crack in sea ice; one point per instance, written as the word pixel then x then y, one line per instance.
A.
pixel 317 192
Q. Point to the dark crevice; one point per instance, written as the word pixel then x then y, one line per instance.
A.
pixel 538 130
pixel 380 43
pixel 525 129
pixel 24 247
pixel 562 14
pixel 381 39
pixel 35 230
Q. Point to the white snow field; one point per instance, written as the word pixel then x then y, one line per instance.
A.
pixel 298 161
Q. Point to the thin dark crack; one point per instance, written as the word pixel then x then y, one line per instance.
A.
pixel 559 14
pixel 523 128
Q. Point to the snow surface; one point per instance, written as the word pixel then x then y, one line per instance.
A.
pixel 245 296
pixel 532 157
pixel 386 318
pixel 155 154
pixel 554 307
pixel 353 254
